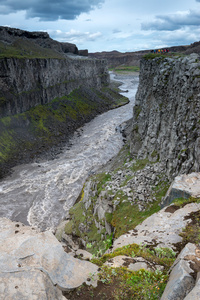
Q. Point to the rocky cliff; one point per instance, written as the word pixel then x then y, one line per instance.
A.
pixel 116 58
pixel 26 83
pixel 35 69
pixel 167 113
pixel 47 91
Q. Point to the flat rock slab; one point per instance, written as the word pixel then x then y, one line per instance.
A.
pixel 183 186
pixel 162 229
pixel 33 262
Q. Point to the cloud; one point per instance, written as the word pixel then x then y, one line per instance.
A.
pixel 49 10
pixel 74 36
pixel 174 21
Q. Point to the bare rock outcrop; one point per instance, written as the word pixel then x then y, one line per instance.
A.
pixel 33 264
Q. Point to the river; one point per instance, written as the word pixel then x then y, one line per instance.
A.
pixel 39 194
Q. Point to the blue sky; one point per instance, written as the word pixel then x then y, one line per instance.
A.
pixel 106 25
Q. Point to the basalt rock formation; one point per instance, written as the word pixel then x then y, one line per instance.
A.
pixel 167 113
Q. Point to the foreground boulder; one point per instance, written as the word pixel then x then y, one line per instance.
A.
pixel 181 283
pixel 33 264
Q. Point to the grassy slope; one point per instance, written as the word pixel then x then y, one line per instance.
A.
pixel 26 49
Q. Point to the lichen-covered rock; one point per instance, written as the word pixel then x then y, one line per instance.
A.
pixel 161 229
pixel 33 264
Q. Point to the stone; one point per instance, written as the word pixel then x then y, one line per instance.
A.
pixel 132 264
pixel 162 228
pixel 167 97
pixel 84 254
pixel 181 284
pixel 195 292
pixel 183 186
pixel 34 265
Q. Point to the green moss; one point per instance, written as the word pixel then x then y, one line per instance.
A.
pixel 7 143
pixel 161 189
pixel 69 227
pixel 191 233
pixel 102 178
pixel 181 202
pixel 140 164
pixel 126 216
pixel 137 110
pixel 125 69
pixel 160 256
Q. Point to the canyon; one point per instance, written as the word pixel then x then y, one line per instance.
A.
pixel 135 248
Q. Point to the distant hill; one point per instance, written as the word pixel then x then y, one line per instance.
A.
pixel 116 58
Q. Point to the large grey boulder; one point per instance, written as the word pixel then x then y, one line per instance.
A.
pixel 162 228
pixel 33 264
pixel 181 284
pixel 183 186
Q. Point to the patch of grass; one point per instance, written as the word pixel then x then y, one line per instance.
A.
pixel 122 69
pixel 160 256
pixel 137 285
pixel 161 189
pixel 137 109
pixel 181 202
pixel 126 216
pixel 26 49
pixel 102 178
pixel 191 233
pixel 139 164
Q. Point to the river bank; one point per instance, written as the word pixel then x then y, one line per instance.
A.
pixel 41 193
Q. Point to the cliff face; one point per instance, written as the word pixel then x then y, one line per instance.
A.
pixel 28 82
pixel 167 113
pixel 47 91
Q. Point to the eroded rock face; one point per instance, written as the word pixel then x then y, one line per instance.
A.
pixel 167 112
pixel 33 264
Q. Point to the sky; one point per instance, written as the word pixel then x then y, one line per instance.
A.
pixel 107 25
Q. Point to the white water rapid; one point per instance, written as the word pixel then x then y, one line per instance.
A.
pixel 39 194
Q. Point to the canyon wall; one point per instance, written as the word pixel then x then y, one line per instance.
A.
pixel 28 82
pixel 166 117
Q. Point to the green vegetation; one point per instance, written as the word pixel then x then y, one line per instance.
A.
pixel 26 49
pixel 121 283
pixel 163 55
pixel 124 69
pixel 43 125
pixel 137 285
pixel 160 256
pixel 181 202
pixel 191 233
pixel 137 110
